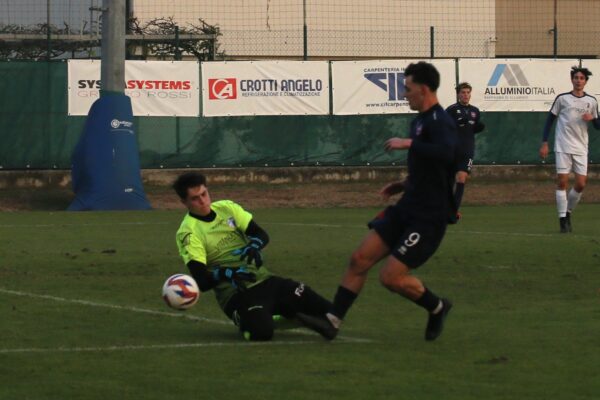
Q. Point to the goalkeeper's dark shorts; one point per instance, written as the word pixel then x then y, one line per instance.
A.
pixel 253 309
pixel 411 240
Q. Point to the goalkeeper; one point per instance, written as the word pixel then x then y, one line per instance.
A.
pixel 220 244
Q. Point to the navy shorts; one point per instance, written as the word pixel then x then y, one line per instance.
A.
pixel 411 240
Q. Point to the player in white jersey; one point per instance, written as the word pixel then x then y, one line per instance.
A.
pixel 574 110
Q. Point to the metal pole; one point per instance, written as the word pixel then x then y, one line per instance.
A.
pixel 48 45
pixel 113 46
pixel 431 41
pixel 555 29
pixel 305 31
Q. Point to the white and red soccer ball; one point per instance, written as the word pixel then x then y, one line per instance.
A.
pixel 180 291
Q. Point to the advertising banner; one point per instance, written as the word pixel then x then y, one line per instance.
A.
pixel 516 84
pixel 377 86
pixel 156 88
pixel 593 86
pixel 265 88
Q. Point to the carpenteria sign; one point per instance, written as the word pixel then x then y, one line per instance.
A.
pixel 377 86
pixel 265 88
pixel 516 84
pixel 156 88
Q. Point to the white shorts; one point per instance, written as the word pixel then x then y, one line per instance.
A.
pixel 566 163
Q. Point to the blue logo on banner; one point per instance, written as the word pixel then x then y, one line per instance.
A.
pixel 391 82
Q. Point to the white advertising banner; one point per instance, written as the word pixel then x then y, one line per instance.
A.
pixel 377 86
pixel 156 88
pixel 265 88
pixel 593 85
pixel 516 84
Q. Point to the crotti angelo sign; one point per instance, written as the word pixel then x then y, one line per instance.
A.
pixel 265 88
pixel 156 88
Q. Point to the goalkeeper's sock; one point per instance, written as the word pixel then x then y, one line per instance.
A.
pixel 342 302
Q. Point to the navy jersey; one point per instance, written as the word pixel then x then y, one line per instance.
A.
pixel 467 119
pixel 431 162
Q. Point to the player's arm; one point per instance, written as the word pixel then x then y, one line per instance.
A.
pixel 594 118
pixel 255 231
pixel 393 188
pixel 257 240
pixel 207 280
pixel 544 147
pixel 441 147
pixel 479 126
pixel 201 275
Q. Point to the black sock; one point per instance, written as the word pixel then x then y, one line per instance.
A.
pixel 342 302
pixel 459 189
pixel 428 301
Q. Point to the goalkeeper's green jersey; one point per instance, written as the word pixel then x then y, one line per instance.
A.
pixel 212 243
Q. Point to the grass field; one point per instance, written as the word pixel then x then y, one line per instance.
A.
pixel 81 315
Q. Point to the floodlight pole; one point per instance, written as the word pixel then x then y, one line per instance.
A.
pixel 112 72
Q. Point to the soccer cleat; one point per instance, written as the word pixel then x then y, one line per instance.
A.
pixel 564 228
pixel 320 324
pixel 435 324
pixel 569 226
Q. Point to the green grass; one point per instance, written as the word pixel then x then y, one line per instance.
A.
pixel 525 325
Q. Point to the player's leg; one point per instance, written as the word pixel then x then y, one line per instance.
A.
pixel 563 168
pixel 253 312
pixel 369 252
pixel 418 244
pixel 295 300
pixel 574 196
pixel 463 171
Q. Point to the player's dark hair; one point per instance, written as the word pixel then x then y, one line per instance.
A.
pixel 586 72
pixel 186 181
pixel 463 85
pixel 424 73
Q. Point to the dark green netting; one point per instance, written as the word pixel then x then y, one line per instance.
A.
pixel 36 132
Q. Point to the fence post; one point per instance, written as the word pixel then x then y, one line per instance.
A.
pixel 48 44
pixel 305 31
pixel 431 41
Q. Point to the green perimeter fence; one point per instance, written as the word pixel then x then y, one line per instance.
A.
pixel 37 133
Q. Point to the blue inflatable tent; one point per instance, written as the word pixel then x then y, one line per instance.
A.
pixel 106 165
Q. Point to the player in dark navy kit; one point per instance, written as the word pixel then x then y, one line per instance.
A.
pixel 408 233
pixel 468 122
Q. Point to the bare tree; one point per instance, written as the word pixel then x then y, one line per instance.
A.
pixel 197 40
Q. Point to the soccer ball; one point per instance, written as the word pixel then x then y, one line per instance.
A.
pixel 180 291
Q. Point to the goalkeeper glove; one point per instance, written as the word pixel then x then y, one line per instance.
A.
pixel 251 252
pixel 235 276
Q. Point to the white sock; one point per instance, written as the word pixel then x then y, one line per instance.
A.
pixel 573 199
pixel 561 203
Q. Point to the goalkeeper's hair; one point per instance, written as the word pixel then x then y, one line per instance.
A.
pixel 186 181
pixel 586 72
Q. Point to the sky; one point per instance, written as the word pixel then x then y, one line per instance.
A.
pixel 75 13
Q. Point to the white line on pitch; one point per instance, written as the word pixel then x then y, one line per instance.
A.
pixel 84 224
pixel 315 225
pixel 161 313
pixel 166 346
